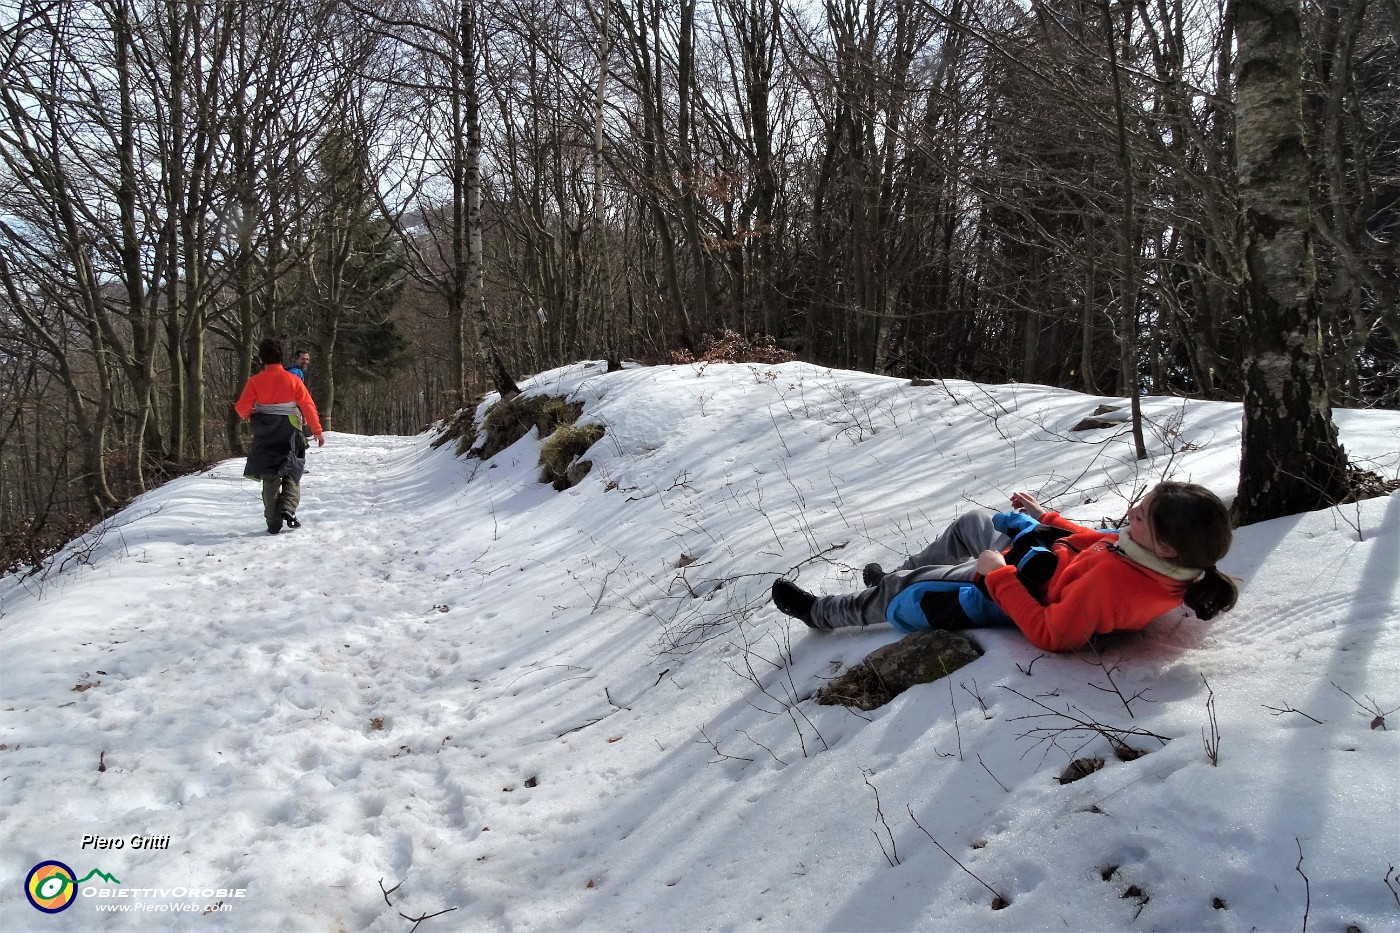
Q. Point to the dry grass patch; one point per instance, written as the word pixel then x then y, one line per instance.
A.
pixel 509 421
pixel 560 454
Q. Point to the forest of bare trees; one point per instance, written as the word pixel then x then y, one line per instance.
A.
pixel 440 196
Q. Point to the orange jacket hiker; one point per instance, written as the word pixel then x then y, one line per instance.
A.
pixel 1095 590
pixel 1059 582
pixel 272 387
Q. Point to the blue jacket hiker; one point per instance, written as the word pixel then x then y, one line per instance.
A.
pixel 300 360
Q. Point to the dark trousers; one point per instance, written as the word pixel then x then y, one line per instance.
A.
pixel 279 494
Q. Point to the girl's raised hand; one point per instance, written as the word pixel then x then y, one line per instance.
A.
pixel 1025 502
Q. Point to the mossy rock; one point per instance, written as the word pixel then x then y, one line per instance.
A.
pixel 511 419
pixel 1079 769
pixel 560 453
pixel 917 658
pixel 1095 424
pixel 1105 416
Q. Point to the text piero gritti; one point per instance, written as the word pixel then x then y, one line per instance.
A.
pixel 137 841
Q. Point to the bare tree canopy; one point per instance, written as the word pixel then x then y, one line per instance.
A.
pixel 439 195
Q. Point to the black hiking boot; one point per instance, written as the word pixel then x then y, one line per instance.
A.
pixel 794 601
pixel 274 527
pixel 872 574
pixel 291 520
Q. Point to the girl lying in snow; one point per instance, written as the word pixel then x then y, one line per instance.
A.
pixel 1059 582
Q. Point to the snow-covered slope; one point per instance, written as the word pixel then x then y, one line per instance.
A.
pixel 578 710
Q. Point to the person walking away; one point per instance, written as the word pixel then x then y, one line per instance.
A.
pixel 277 405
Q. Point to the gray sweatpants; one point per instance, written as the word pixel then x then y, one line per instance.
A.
pixel 952 556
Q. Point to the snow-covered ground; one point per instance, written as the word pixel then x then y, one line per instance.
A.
pixel 579 710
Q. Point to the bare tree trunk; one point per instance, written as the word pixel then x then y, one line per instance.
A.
pixel 1292 460
pixel 658 187
pixel 598 222
pixel 141 363
pixel 489 356
pixel 1127 239
pixel 1086 328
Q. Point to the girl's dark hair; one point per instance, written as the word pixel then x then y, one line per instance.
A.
pixel 270 350
pixel 1195 523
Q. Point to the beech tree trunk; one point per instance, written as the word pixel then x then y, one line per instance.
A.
pixel 1291 459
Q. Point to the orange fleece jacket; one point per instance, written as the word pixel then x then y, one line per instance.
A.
pixel 275 386
pixel 1096 589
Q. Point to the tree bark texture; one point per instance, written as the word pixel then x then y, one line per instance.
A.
pixel 1291 459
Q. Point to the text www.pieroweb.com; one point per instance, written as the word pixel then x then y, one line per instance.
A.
pixel 165 908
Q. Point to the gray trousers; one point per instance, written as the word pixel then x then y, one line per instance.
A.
pixel 952 556
pixel 279 494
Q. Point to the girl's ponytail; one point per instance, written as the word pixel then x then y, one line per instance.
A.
pixel 1211 595
pixel 1196 524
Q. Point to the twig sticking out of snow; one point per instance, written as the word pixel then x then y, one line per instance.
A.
pixel 999 901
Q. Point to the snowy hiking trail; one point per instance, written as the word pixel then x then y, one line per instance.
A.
pixel 322 616
pixel 271 689
pixel 454 678
pixel 319 648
